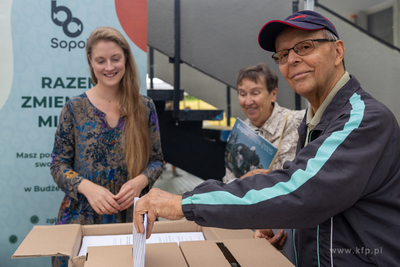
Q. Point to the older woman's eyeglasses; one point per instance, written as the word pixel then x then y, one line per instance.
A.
pixel 303 48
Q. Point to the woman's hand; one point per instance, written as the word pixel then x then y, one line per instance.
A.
pixel 101 199
pixel 131 189
pixel 277 240
pixel 254 172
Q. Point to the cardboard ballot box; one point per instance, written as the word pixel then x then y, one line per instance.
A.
pixel 221 246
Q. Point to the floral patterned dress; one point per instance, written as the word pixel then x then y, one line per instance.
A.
pixel 86 147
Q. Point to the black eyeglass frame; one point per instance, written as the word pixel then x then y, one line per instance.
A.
pixel 276 59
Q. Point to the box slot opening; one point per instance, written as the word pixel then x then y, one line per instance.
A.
pixel 228 255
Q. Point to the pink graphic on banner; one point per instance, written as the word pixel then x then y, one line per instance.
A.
pixel 137 31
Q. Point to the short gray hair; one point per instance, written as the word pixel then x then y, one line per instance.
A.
pixel 330 36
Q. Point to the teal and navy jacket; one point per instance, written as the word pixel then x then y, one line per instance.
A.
pixel 341 192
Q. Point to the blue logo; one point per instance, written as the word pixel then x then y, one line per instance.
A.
pixel 65 24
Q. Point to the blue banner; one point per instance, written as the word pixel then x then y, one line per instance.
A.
pixel 43 64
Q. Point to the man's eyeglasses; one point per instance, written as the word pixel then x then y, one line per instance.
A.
pixel 303 48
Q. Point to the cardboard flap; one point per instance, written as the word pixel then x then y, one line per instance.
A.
pixel 54 240
pixel 107 229
pixel 212 233
pixel 127 228
pixel 203 253
pixel 157 255
pixel 247 253
pixel 164 255
pixel 175 226
pixel 120 256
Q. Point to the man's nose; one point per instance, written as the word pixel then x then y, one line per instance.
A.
pixel 293 57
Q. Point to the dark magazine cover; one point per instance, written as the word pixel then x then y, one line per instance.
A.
pixel 247 150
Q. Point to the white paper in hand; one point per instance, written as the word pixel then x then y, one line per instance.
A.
pixel 139 242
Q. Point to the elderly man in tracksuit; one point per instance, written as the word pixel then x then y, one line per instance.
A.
pixel 342 191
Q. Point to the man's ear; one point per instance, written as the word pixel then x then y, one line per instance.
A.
pixel 339 48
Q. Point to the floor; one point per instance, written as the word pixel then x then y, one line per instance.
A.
pixel 177 184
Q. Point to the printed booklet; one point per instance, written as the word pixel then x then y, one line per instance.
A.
pixel 247 150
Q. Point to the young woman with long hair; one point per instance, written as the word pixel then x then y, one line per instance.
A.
pixel 107 148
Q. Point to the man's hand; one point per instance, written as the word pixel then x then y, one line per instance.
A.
pixel 277 240
pixel 254 172
pixel 157 203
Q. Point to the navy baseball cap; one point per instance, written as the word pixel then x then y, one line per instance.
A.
pixel 306 20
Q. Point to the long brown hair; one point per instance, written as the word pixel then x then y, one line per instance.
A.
pixel 136 141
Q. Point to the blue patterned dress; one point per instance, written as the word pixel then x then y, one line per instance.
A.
pixel 86 147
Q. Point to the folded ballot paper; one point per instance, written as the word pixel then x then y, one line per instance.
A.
pixel 139 242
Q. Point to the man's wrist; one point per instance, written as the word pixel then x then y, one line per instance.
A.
pixel 178 205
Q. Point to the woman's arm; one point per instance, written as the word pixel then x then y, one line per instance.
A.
pixel 155 166
pixel 63 154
